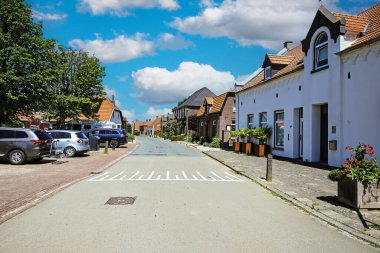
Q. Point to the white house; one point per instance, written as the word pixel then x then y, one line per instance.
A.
pixel 323 94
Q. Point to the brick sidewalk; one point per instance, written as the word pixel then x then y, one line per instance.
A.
pixel 302 184
pixel 26 185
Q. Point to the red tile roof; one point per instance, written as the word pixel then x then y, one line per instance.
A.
pixel 295 56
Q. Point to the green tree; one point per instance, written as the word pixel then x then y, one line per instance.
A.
pixel 129 128
pixel 26 71
pixel 79 89
pixel 173 127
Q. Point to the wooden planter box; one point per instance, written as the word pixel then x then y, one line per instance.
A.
pixel 260 150
pixel 249 148
pixel 237 147
pixel 357 195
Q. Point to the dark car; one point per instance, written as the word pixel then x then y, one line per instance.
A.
pixel 19 145
pixel 115 137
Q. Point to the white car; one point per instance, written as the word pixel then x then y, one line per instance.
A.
pixel 72 143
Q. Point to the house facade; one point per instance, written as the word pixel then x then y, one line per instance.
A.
pixel 216 115
pixel 191 105
pixel 322 95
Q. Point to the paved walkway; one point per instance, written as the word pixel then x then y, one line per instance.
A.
pixel 305 186
pixel 24 186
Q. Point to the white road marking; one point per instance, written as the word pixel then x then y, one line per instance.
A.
pixel 151 175
pixel 118 175
pixel 201 175
pixel 211 177
pixel 137 172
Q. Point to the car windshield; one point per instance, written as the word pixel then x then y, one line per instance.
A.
pixel 81 135
pixel 42 135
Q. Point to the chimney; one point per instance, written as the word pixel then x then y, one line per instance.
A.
pixel 113 99
pixel 288 44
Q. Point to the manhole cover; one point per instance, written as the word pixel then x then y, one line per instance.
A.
pixel 121 201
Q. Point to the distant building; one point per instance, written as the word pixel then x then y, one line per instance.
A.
pixel 216 115
pixel 190 106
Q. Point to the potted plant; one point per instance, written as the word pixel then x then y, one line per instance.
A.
pixel 235 140
pixel 250 141
pixel 358 178
pixel 243 134
pixel 262 134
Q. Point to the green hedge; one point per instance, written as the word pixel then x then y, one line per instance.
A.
pixel 181 137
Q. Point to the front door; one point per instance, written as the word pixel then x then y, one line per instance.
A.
pixel 324 133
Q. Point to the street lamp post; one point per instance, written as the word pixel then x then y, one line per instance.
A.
pixel 187 124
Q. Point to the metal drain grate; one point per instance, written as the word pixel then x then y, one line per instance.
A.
pixel 121 201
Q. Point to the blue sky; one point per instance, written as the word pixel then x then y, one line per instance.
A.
pixel 157 52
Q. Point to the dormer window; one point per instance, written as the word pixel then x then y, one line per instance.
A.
pixel 267 73
pixel 321 51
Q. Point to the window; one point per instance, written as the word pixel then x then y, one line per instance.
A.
pixel 214 122
pixel 263 119
pixel 233 125
pixel 209 108
pixel 7 134
pixel 279 129
pixel 250 121
pixel 267 73
pixel 201 124
pixel 21 135
pixel 234 108
pixel 321 51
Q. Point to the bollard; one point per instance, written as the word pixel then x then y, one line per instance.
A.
pixel 106 148
pixel 269 168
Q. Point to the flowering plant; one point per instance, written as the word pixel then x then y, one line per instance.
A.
pixel 361 166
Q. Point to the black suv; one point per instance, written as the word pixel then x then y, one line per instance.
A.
pixel 115 137
pixel 19 145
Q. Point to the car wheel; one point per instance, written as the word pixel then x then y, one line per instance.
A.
pixel 114 144
pixel 17 157
pixel 70 151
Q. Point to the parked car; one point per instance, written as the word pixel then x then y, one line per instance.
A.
pixel 115 137
pixel 19 145
pixel 72 143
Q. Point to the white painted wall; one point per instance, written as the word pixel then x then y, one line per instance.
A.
pixel 353 104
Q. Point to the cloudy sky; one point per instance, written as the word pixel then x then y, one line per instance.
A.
pixel 157 52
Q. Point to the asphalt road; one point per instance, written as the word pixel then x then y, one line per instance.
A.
pixel 185 202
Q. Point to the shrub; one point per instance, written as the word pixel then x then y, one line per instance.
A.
pixel 361 166
pixel 181 137
pixel 215 142
pixel 335 175
pixel 159 133
pixel 136 133
pixel 131 137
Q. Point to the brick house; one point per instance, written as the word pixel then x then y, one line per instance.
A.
pixel 216 115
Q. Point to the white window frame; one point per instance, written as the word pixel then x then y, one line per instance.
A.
pixel 263 123
pixel 266 75
pixel 202 124
pixel 250 124
pixel 275 128
pixel 233 124
pixel 318 48
pixel 234 108
pixel 214 122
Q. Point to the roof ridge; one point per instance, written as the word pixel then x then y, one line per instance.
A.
pixel 368 9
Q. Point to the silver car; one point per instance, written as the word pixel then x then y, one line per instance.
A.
pixel 72 143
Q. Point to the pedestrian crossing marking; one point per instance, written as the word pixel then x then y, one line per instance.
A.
pixel 166 176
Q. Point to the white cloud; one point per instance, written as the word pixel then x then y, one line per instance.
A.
pixel 262 22
pixel 171 42
pixel 120 49
pixel 159 86
pixel 130 115
pixel 153 112
pixel 109 91
pixel 48 16
pixel 120 7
